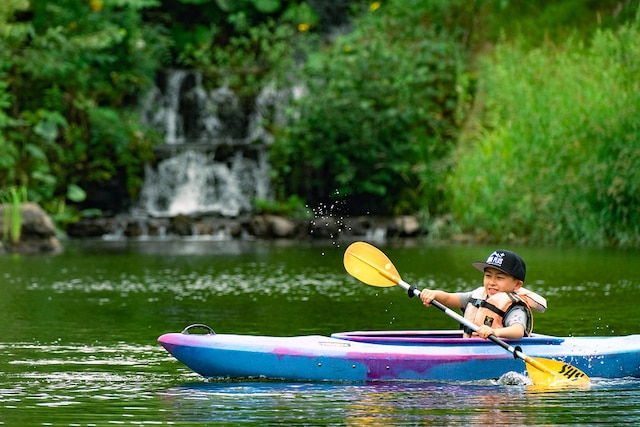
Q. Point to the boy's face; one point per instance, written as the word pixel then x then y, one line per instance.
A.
pixel 497 281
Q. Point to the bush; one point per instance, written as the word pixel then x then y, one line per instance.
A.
pixel 378 116
pixel 74 73
pixel 557 159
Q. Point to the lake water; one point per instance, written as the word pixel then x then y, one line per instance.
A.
pixel 78 344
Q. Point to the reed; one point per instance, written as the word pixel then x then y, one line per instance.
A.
pixel 12 199
pixel 555 154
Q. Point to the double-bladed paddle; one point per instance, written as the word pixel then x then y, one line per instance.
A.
pixel 371 266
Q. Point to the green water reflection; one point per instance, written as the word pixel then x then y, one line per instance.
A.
pixel 78 343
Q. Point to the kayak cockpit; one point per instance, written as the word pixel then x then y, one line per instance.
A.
pixel 428 337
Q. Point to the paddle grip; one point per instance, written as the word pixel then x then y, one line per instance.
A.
pixel 413 291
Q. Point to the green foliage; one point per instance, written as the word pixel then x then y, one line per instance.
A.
pixel 293 207
pixel 72 80
pixel 8 150
pixel 378 116
pixel 247 57
pixel 558 156
pixel 262 6
pixel 543 21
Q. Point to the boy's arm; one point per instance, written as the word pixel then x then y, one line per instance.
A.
pixel 446 298
pixel 515 331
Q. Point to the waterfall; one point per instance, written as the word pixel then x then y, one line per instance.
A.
pixel 214 159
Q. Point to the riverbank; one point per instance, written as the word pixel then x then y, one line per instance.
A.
pixel 38 233
pixel 250 226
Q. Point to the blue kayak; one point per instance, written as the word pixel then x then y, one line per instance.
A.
pixel 390 355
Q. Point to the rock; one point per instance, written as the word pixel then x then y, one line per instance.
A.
pixel 237 229
pixel 258 226
pixel 92 227
pixel 157 226
pixel 405 226
pixel 281 227
pixel 49 245
pixel 37 231
pixel 203 229
pixel 272 226
pixel 326 227
pixel 135 229
pixel 264 226
pixel 181 225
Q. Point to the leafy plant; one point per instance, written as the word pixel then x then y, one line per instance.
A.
pixel 262 6
pixel 249 55
pixel 378 116
pixel 73 76
pixel 293 207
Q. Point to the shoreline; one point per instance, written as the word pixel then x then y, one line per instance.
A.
pixel 256 226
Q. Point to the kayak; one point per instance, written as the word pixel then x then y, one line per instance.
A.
pixel 361 356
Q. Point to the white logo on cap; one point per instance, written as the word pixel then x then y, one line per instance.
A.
pixel 495 259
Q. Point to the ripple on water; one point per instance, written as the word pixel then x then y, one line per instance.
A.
pixel 52 383
pixel 202 286
pixel 132 384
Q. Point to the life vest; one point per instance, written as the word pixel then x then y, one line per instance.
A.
pixel 492 311
pixel 536 302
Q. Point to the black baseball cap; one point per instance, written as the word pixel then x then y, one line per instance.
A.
pixel 505 261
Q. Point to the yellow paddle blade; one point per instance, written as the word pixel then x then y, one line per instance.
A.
pixel 370 265
pixel 553 373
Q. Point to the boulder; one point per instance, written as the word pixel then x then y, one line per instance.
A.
pixel 37 231
pixel 272 226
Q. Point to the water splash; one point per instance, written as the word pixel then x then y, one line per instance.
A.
pixel 514 378
pixel 330 221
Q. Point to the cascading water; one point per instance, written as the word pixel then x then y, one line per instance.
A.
pixel 214 158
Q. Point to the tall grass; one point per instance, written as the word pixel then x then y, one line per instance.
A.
pixel 556 157
pixel 12 199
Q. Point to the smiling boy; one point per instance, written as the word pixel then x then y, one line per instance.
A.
pixel 501 307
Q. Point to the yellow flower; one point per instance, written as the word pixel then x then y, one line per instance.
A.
pixel 374 6
pixel 303 27
pixel 96 5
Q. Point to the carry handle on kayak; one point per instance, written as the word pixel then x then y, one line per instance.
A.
pixel 370 265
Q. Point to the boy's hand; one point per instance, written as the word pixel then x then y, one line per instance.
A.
pixel 484 332
pixel 427 295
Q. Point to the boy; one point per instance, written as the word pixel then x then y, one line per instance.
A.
pixel 501 307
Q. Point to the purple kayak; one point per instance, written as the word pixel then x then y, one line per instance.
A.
pixel 390 355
